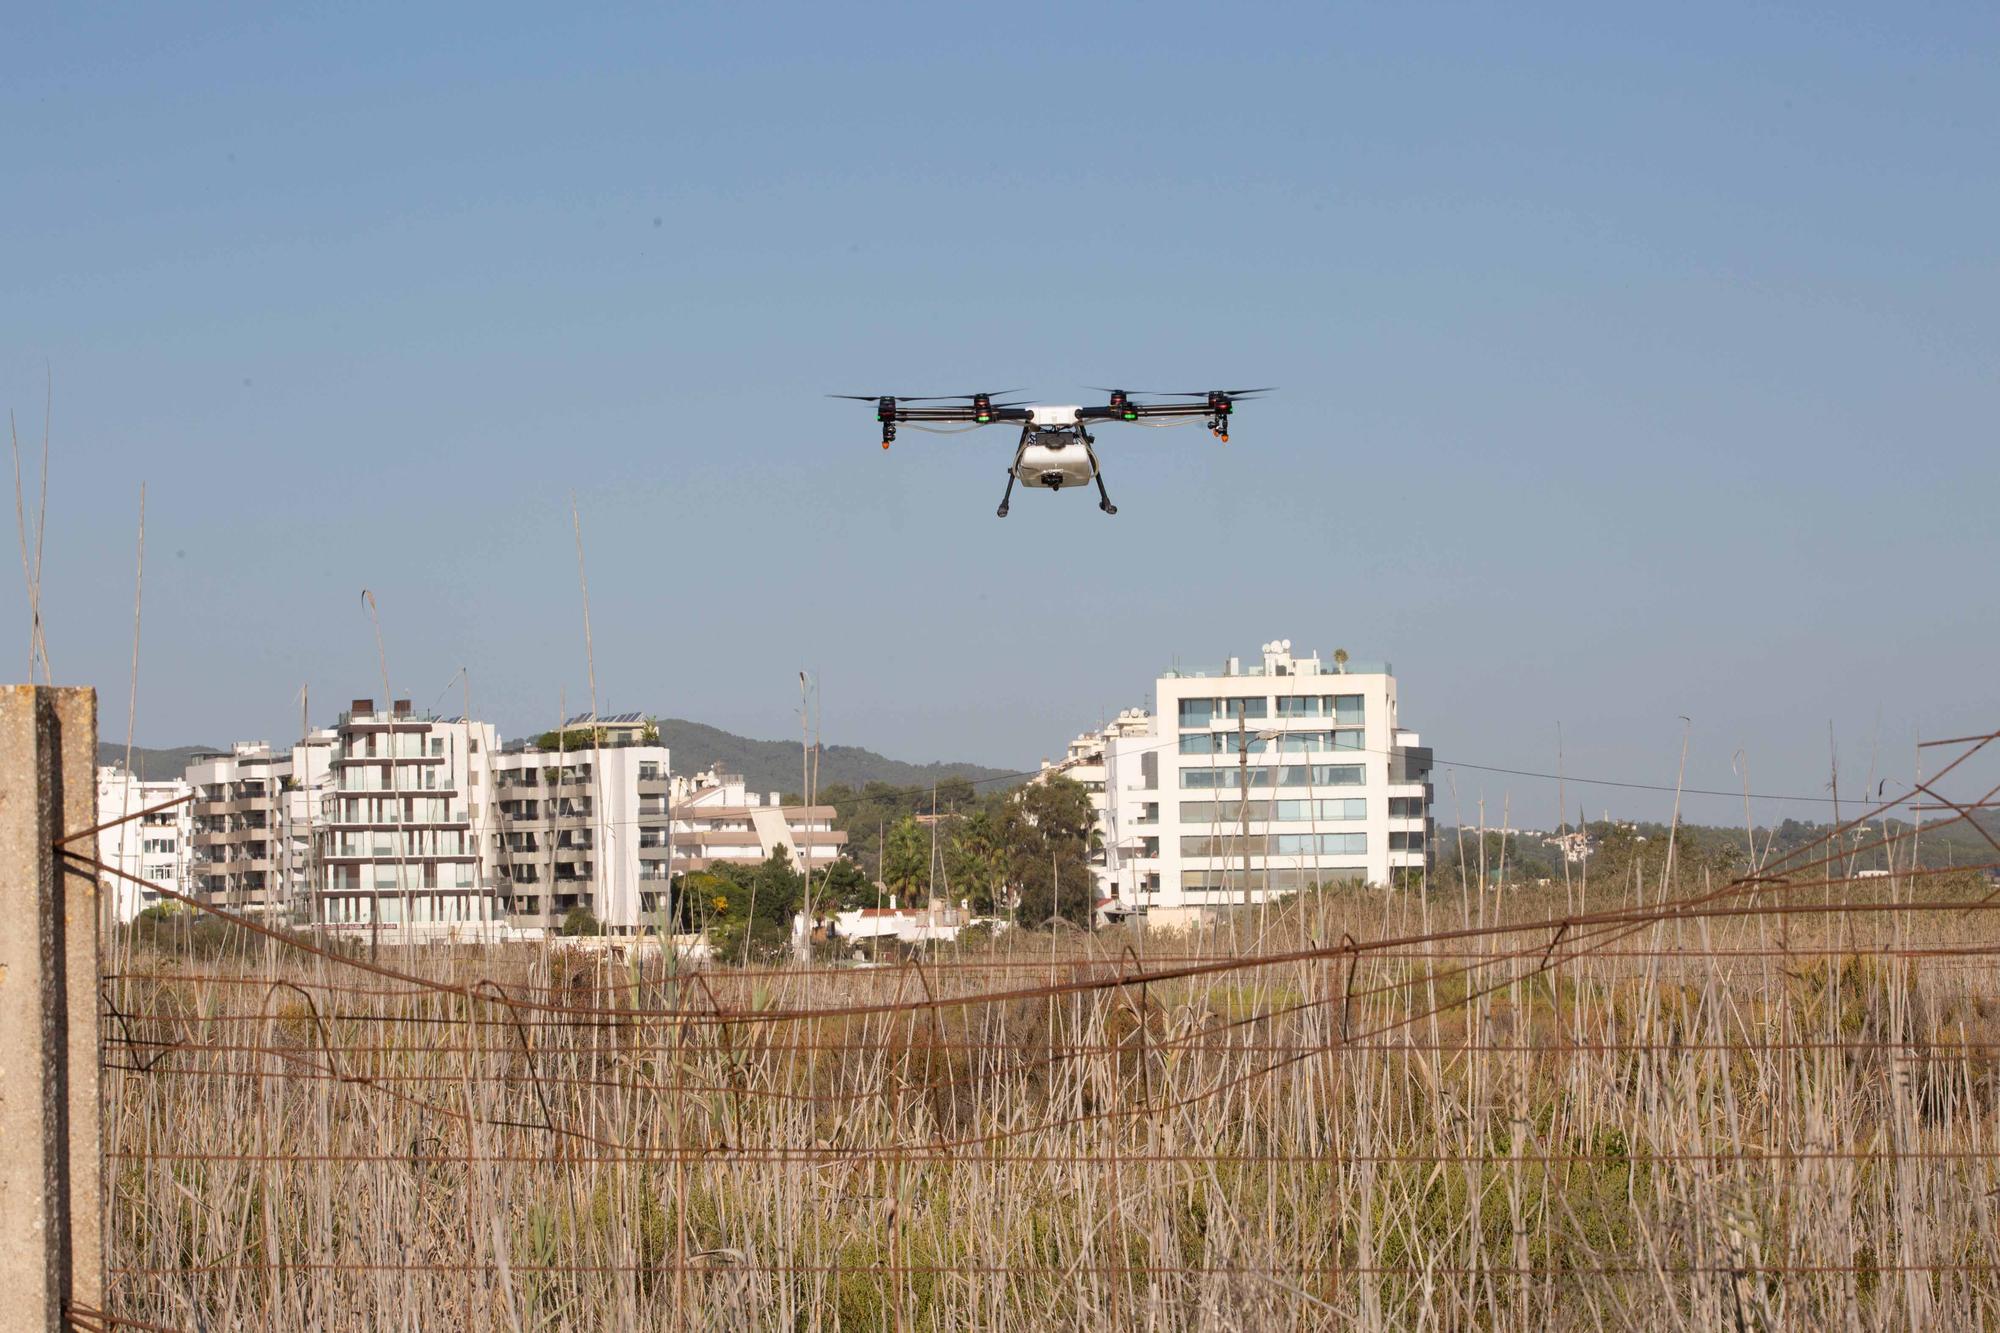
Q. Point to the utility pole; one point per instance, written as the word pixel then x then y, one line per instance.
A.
pixel 51 1169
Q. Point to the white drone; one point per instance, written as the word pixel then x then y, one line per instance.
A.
pixel 1055 449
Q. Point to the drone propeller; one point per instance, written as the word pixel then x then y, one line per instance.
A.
pixel 920 398
pixel 1183 393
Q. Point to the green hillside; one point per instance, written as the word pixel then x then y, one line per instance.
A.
pixel 769 766
pixel 152 765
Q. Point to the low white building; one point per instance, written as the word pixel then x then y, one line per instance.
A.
pixel 715 819
pixel 934 924
pixel 154 847
pixel 1259 780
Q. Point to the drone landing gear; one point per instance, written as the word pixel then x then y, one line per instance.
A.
pixel 1097 472
pixel 1013 471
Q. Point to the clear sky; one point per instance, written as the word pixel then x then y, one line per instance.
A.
pixel 1633 365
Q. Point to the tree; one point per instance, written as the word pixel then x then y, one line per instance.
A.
pixel 754 915
pixel 842 885
pixel 906 860
pixel 1046 833
pixel 865 813
pixel 973 865
pixel 581 921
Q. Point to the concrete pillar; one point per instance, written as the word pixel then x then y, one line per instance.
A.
pixel 51 1170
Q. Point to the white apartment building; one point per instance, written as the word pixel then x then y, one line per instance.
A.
pixel 236 859
pixel 1260 780
pixel 398 852
pixel 582 827
pixel 154 847
pixel 1085 764
pixel 302 810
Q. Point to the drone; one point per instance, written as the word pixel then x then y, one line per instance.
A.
pixel 1055 449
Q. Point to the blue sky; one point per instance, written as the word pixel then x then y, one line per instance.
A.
pixel 1633 365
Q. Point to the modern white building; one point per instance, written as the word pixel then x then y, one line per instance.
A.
pixel 303 796
pixel 237 857
pixel 396 826
pixel 398 853
pixel 154 847
pixel 584 827
pixel 1258 780
pixel 1119 839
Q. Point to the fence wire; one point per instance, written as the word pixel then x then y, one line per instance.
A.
pixel 1763 1103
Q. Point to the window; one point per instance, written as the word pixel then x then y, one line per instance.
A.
pixel 1406 842
pixel 1273 879
pixel 1246 707
pixel 1197 712
pixel 1229 812
pixel 1406 807
pixel 1348 740
pixel 1288 775
pixel 1353 807
pixel 1221 742
pixel 1348 708
pixel 1275 844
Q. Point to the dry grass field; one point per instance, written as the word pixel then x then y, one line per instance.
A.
pixel 1773 1110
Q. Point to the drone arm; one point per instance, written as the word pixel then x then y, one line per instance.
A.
pixel 1145 410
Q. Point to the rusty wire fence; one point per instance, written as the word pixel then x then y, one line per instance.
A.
pixel 1771 1102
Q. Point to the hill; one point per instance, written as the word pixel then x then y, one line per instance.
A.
pixel 769 766
pixel 152 765
pixel 766 766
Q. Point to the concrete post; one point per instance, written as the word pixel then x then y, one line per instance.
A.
pixel 51 1170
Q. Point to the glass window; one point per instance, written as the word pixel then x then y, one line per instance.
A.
pixel 1289 775
pixel 1221 742
pixel 1275 844
pixel 1412 841
pixel 1348 740
pixel 1348 708
pixel 1288 811
pixel 1197 712
pixel 1346 808
pixel 1246 707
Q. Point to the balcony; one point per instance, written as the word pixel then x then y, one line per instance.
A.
pixel 1410 764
